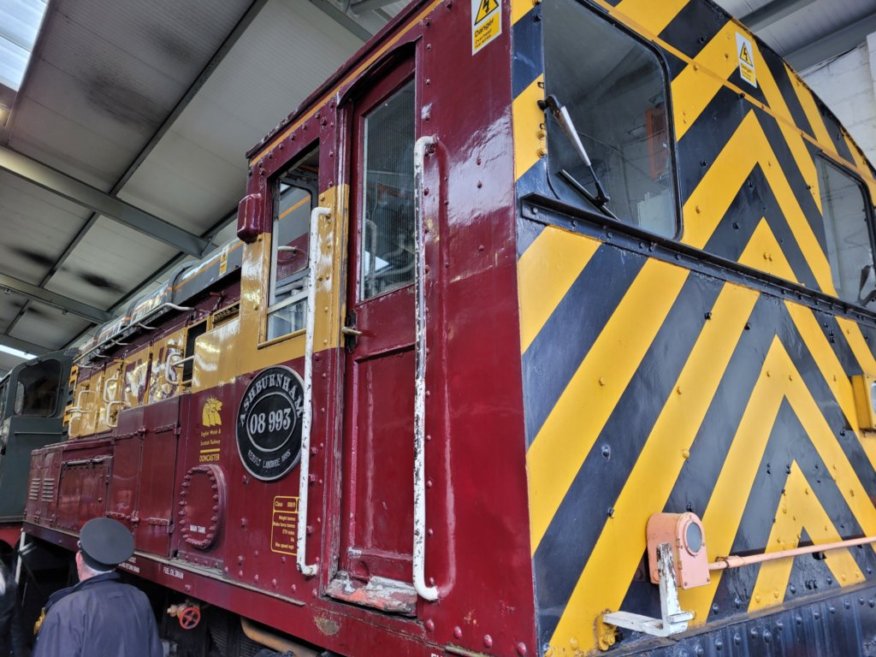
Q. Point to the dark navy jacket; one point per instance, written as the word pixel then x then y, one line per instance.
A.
pixel 100 617
pixel 11 632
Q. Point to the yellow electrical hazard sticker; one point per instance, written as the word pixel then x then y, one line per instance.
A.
pixel 284 525
pixel 486 22
pixel 745 54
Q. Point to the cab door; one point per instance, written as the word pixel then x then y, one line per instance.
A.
pixel 377 499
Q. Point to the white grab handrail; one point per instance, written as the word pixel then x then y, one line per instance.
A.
pixel 429 593
pixel 306 569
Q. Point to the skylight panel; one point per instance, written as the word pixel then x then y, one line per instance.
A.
pixel 19 24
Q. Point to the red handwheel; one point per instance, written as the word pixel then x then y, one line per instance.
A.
pixel 189 617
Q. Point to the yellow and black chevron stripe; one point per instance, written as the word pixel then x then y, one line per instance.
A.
pixel 656 380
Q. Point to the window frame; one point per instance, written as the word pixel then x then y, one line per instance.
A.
pixel 53 411
pixel 399 78
pixel 583 206
pixel 868 218
pixel 309 148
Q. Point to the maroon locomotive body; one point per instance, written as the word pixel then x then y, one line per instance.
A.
pixel 189 431
pixel 520 278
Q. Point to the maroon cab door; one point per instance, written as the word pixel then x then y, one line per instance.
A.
pixel 377 499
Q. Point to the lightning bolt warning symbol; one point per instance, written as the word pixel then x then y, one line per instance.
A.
pixel 486 8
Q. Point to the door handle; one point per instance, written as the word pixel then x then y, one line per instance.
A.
pixel 350 332
pixel 314 249
pixel 425 591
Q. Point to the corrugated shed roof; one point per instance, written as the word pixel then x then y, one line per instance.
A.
pixel 157 108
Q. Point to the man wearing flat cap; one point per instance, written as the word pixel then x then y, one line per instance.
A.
pixel 100 616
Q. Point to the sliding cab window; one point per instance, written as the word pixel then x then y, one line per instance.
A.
pixel 295 195
pixel 609 142
pixel 847 232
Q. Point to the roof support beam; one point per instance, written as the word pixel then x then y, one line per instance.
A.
pixel 772 12
pixel 342 19
pixel 368 5
pixel 835 43
pixel 254 8
pixel 92 198
pixel 83 310
pixel 217 58
pixel 23 345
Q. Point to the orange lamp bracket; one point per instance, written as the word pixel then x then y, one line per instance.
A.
pixel 677 558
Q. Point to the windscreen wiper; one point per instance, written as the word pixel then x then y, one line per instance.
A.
pixel 561 114
pixel 575 184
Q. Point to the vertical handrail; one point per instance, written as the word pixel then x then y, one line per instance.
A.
pixel 23 548
pixel 106 385
pixel 426 592
pixel 308 570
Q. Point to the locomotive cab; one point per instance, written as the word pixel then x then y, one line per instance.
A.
pixel 32 400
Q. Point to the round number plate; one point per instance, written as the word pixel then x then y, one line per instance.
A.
pixel 269 423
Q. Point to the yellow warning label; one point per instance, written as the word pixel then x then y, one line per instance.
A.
pixel 486 22
pixel 284 525
pixel 487 7
pixel 745 54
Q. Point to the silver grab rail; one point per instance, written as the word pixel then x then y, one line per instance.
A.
pixel 308 570
pixel 429 593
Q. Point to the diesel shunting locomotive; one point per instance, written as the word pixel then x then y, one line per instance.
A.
pixel 549 331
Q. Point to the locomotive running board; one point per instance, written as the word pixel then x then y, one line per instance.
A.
pixel 381 593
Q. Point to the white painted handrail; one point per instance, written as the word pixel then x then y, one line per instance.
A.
pixel 426 592
pixel 307 420
pixel 79 408
pixel 106 386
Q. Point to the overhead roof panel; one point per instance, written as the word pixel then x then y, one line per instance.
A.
pixel 199 166
pixel 95 82
pixel 289 50
pixel 197 188
pixel 59 140
pixel 10 305
pixel 48 326
pixel 118 69
pixel 175 38
pixel 110 260
pixel 37 226
pixel 39 209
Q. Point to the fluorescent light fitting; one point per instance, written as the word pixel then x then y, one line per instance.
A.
pixel 23 355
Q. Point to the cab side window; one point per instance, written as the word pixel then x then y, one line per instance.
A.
pixel 37 391
pixel 615 91
pixel 295 196
pixel 847 231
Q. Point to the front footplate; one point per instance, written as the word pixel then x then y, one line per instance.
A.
pixel 839 623
pixel 673 619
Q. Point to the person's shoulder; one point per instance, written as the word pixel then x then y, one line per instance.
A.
pixel 132 588
pixel 139 595
pixel 70 601
pixel 127 589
